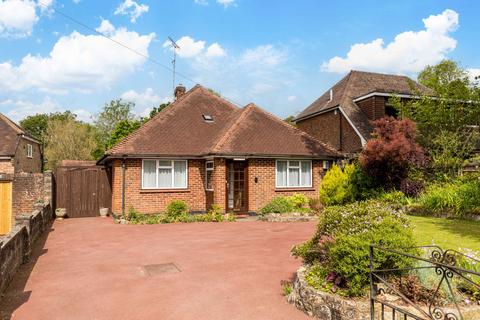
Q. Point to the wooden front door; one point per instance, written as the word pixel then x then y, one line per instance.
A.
pixel 237 186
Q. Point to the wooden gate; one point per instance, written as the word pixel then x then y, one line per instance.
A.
pixel 83 190
pixel 5 206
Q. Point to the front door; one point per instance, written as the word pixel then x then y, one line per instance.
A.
pixel 237 187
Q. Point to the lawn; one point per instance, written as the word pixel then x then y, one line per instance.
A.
pixel 447 233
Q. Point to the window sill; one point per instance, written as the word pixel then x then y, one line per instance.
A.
pixel 287 189
pixel 164 190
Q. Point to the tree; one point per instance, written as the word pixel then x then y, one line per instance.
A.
pixel 290 120
pixel 122 130
pixel 392 152
pixel 69 139
pixel 113 112
pixel 158 109
pixel 448 114
pixel 37 124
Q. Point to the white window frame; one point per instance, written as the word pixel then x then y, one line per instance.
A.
pixel 158 166
pixel 29 151
pixel 288 186
pixel 206 173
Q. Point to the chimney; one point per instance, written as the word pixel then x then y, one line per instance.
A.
pixel 331 95
pixel 179 91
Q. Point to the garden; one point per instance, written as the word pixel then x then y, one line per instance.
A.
pixel 406 195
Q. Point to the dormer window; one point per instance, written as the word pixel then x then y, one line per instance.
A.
pixel 207 118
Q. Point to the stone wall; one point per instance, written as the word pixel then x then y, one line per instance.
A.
pixel 16 247
pixel 324 305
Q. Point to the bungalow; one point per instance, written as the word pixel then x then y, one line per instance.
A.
pixel 342 116
pixel 204 150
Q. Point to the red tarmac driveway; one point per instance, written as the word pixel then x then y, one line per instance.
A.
pixel 92 269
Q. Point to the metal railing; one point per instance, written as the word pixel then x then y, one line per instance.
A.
pixel 447 269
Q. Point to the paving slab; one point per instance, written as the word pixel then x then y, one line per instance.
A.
pixel 91 268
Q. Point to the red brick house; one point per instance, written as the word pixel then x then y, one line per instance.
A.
pixel 19 152
pixel 342 116
pixel 204 150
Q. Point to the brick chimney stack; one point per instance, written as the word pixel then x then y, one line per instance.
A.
pixel 179 91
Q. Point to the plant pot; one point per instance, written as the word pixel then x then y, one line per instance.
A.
pixel 61 213
pixel 104 212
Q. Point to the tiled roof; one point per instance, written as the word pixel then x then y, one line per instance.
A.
pixel 181 130
pixel 9 133
pixel 357 84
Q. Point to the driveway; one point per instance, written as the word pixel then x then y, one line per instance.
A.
pixel 92 268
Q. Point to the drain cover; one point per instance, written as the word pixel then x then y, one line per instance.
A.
pixel 151 270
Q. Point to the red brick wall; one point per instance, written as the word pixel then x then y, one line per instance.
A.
pixel 197 198
pixel 28 189
pixel 373 107
pixel 326 128
pixel 262 192
pixel 25 164
pixel 155 201
pixel 6 166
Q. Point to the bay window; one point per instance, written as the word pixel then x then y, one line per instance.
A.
pixel 164 174
pixel 293 173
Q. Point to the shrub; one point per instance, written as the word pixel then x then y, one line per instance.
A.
pixel 295 203
pixel 176 208
pixel 392 152
pixel 278 205
pixel 315 205
pixel 341 244
pixel 412 188
pixel 336 187
pixel 458 197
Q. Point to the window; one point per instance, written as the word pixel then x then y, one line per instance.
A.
pixel 164 174
pixel 294 173
pixel 209 175
pixel 207 118
pixel 29 151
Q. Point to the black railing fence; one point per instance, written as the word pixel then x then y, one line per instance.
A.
pixel 446 284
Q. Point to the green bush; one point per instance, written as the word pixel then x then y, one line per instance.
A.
pixel 295 203
pixel 176 208
pixel 341 244
pixel 336 187
pixel 452 198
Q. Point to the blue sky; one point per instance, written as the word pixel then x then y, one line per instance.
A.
pixel 279 54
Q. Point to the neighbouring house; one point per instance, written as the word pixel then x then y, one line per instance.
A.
pixel 204 150
pixel 22 183
pixel 342 116
pixel 19 152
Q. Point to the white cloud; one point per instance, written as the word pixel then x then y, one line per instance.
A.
pixel 17 18
pixel 409 52
pixel 247 75
pixel 226 3
pixel 292 98
pixel 45 6
pixel 78 62
pixel 19 109
pixel 201 2
pixel 106 27
pixel 264 55
pixel 188 46
pixel 144 101
pixel 131 8
pixel 215 50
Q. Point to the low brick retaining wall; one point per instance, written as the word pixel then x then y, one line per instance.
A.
pixel 283 217
pixel 15 247
pixel 324 305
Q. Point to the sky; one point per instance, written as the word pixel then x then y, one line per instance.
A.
pixel 77 55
